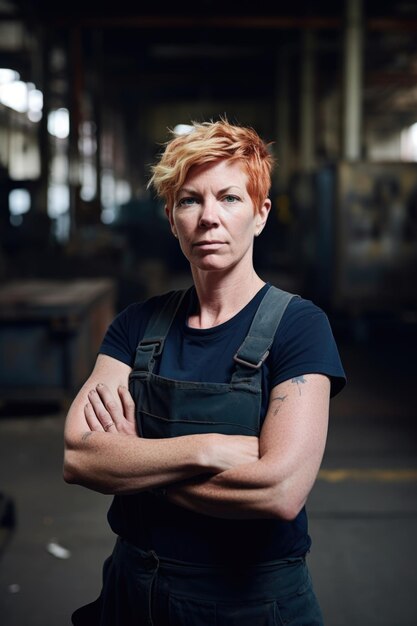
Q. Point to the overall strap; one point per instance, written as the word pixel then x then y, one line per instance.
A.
pixel 255 348
pixel 156 331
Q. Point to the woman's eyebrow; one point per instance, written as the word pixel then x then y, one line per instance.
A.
pixel 227 189
pixel 187 190
pixel 190 190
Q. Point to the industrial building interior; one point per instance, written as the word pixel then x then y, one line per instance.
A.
pixel 89 94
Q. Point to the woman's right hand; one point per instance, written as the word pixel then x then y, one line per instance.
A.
pixel 103 413
pixel 227 451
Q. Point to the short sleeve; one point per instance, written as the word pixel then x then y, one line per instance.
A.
pixel 304 344
pixel 128 328
pixel 122 336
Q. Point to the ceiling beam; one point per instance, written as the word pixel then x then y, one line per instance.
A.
pixel 252 22
pixel 204 21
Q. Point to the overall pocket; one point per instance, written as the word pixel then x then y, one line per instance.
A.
pixel 166 408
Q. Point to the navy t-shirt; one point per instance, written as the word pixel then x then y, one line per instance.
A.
pixel 303 344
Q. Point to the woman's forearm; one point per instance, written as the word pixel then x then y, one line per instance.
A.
pixel 251 491
pixel 236 493
pixel 120 463
pixel 126 464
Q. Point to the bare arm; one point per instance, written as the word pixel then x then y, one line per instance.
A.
pixel 292 443
pixel 104 453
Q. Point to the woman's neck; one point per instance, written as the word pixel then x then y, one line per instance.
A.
pixel 221 297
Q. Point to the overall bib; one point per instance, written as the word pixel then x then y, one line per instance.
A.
pixel 141 587
pixel 170 408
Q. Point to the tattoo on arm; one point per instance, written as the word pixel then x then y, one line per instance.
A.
pixel 281 401
pixel 86 435
pixel 299 380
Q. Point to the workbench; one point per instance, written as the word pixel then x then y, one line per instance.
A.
pixel 50 331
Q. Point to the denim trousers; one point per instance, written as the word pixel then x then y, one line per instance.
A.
pixel 142 589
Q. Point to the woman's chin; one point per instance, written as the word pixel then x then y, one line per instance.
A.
pixel 212 265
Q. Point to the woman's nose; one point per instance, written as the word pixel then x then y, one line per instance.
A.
pixel 209 214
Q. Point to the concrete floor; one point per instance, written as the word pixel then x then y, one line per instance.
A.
pixel 363 522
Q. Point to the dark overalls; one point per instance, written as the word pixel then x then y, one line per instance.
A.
pixel 141 587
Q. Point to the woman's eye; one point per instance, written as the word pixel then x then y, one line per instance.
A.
pixel 186 201
pixel 231 199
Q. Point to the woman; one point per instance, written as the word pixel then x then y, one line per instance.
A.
pixel 212 461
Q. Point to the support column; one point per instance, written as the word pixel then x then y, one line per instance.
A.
pixel 97 79
pixel 282 117
pixel 307 124
pixel 44 81
pixel 353 73
pixel 75 121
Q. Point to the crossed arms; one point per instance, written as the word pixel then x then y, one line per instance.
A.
pixel 229 476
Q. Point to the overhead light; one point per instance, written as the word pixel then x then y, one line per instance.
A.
pixel 15 95
pixel 19 95
pixel 8 76
pixel 58 123
pixel 19 201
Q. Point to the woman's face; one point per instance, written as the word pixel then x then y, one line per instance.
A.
pixel 214 218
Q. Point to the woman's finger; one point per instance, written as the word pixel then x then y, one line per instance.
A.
pixel 91 418
pixel 110 405
pixel 127 404
pixel 100 410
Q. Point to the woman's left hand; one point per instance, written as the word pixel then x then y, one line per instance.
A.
pixel 104 413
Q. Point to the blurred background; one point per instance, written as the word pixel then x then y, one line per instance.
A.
pixel 88 96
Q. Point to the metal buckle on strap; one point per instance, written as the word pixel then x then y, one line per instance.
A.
pixel 252 365
pixel 150 341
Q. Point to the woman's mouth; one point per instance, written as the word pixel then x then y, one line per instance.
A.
pixel 208 244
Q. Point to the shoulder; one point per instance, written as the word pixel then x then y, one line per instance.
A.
pixel 129 325
pixel 298 314
pixel 304 343
pixel 301 314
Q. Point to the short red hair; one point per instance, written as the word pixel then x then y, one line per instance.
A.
pixel 208 142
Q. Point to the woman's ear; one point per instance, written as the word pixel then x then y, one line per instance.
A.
pixel 262 216
pixel 168 212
